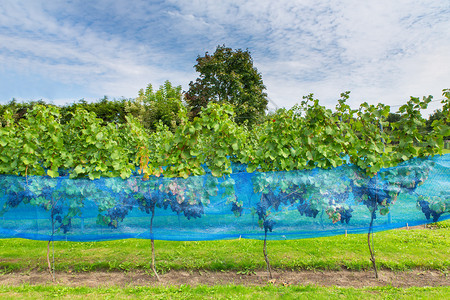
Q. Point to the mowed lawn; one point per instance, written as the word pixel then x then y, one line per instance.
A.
pixel 223 292
pixel 395 249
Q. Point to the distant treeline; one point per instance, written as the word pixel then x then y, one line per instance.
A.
pixel 115 110
pixel 110 111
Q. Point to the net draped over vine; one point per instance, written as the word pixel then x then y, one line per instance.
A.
pixel 289 205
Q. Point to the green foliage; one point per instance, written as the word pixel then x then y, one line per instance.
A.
pixel 210 139
pixel 109 111
pixel 152 107
pixel 39 144
pixel 310 136
pixel 96 150
pixel 19 109
pixel 304 137
pixel 277 144
pixel 408 131
pixel 34 145
pixel 228 76
pixel 368 139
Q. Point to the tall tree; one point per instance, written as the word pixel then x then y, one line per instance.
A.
pixel 228 76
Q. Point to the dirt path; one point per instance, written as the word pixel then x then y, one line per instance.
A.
pixel 343 278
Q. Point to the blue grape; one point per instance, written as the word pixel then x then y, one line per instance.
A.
pixel 67 226
pixel 192 210
pixel 237 210
pixel 425 208
pixel 346 215
pixel 261 210
pixel 47 193
pixel 268 225
pixel 305 209
pixel 14 199
pixel 120 211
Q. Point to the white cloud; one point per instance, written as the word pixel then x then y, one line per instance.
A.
pixel 383 51
pixel 104 64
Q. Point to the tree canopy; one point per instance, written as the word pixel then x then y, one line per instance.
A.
pixel 228 76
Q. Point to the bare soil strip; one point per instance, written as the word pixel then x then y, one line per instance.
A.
pixel 344 278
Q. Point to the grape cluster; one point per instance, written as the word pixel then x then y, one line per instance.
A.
pixel 150 200
pixel 425 206
pixel 189 210
pixel 14 199
pixel 307 210
pixel 120 211
pixel 192 210
pixel 292 197
pixel 236 209
pixel 272 200
pixel 156 198
pixel 268 225
pixel 56 213
pixel 346 214
pixel 268 200
pixel 261 210
pixel 377 193
pixel 66 227
pixel 46 193
pixel 116 214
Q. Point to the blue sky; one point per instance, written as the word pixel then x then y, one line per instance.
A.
pixel 382 51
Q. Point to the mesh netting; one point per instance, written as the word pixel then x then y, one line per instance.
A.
pixel 288 205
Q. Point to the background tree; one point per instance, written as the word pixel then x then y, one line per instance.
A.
pixel 151 107
pixel 437 115
pixel 110 111
pixel 228 76
pixel 19 109
pixel 392 119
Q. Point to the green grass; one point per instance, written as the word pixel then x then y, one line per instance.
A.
pixel 223 292
pixel 395 250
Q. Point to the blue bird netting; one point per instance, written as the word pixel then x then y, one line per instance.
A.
pixel 286 205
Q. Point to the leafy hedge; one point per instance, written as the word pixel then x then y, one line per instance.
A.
pixel 304 137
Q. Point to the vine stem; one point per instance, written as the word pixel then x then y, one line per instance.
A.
pixel 266 258
pixel 51 266
pixel 153 246
pixel 48 262
pixel 372 255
